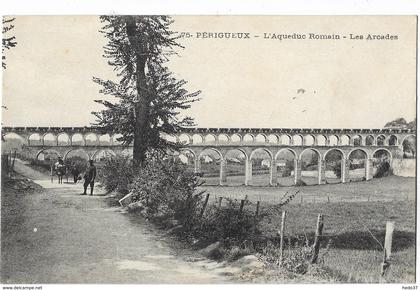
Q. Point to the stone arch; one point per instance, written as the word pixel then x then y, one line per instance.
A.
pixel 236 165
pixel 210 138
pixel 182 150
pixel 63 139
pixel 91 139
pixel 273 139
pixel 184 138
pixel 49 139
pixel 357 140
pixel 310 149
pixel 297 140
pixel 248 138
pixel 285 139
pixel 356 149
pixel 334 149
pixel 370 140
pixel 66 155
pixel 12 141
pixel 345 140
pixel 309 140
pixel 380 140
pixel 45 150
pixel 382 149
pixel 358 167
pixel 12 135
pixel 223 138
pixel 209 165
pixel 35 141
pixel 310 160
pixel 235 138
pixel 211 149
pixel 261 169
pixel 380 161
pixel 104 139
pixel 285 160
pixel 392 140
pixel 197 139
pixel 286 149
pixel 333 140
pixel 77 139
pixel 264 149
pixel 190 157
pixel 96 154
pixel 261 138
pixel 322 140
pixel 332 163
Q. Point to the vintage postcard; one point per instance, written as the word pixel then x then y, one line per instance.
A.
pixel 208 149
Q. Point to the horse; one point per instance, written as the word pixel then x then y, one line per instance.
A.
pixel 60 170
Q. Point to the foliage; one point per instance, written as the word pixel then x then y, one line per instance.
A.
pixel 166 188
pixel 384 169
pixel 228 224
pixel 337 169
pixel 409 145
pixel 7 42
pixel 116 174
pixel 79 162
pixel 149 96
pixel 288 168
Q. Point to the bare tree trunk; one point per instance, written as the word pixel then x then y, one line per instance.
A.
pixel 141 109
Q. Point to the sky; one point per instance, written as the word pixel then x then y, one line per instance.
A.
pixel 257 82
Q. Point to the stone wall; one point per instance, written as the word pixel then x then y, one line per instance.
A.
pixel 404 167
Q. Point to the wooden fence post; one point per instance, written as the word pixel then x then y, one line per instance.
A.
pixel 328 198
pixel 387 246
pixel 257 210
pixel 220 202
pixel 318 233
pixel 52 174
pixel 241 208
pixel 204 205
pixel 281 233
pixel 14 158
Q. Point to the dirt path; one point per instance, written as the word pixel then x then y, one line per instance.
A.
pixel 58 236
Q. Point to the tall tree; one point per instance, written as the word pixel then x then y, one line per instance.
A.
pixel 150 98
pixel 7 41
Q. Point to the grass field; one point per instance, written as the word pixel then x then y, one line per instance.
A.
pixel 355 225
pixel 357 231
pixel 382 189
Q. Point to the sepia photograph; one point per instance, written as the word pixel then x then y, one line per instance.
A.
pixel 208 149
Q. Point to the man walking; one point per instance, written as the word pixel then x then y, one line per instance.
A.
pixel 90 176
pixel 75 172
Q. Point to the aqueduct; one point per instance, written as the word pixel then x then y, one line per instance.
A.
pixel 273 141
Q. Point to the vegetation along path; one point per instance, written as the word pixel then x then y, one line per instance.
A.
pixel 58 236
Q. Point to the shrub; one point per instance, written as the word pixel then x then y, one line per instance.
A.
pixel 337 169
pixel 79 162
pixel 166 188
pixel 116 174
pixel 228 224
pixel 384 169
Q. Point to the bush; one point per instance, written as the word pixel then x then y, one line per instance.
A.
pixel 337 169
pixel 79 162
pixel 166 188
pixel 116 174
pixel 228 224
pixel 384 169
